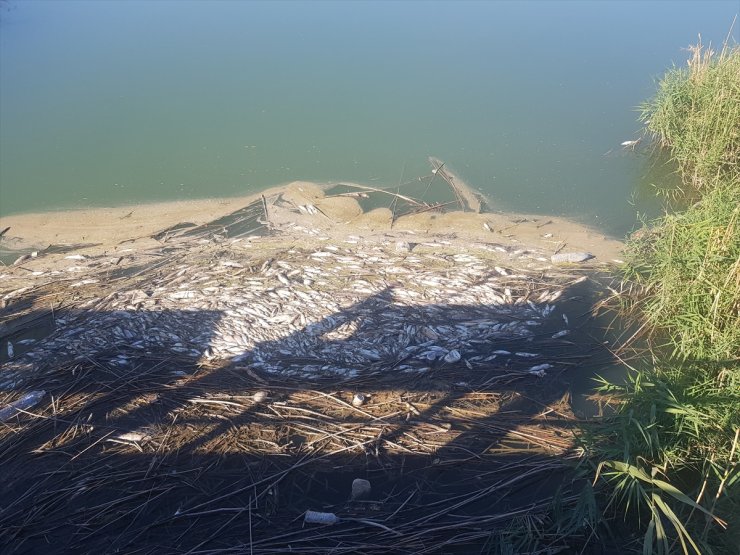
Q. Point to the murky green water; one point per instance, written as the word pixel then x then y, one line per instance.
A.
pixel 114 102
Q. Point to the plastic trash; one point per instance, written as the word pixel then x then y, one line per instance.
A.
pixel 316 517
pixel 24 403
pixel 360 488
pixel 571 257
pixel 260 396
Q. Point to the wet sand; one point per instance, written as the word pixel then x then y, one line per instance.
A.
pixel 107 228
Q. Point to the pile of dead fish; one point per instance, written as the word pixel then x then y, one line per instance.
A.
pixel 343 309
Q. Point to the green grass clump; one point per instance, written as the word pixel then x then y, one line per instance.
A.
pixel 696 113
pixel 685 277
pixel 669 456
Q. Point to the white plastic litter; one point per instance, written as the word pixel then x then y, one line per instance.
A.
pixel 259 396
pixel 360 488
pixel 316 517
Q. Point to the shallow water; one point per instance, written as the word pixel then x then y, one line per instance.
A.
pixel 117 102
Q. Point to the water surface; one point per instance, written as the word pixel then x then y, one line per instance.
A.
pixel 115 102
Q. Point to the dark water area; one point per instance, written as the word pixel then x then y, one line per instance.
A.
pixel 117 102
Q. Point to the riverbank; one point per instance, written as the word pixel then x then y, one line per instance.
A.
pixel 104 229
pixel 669 457
pixel 303 225
pixel 282 351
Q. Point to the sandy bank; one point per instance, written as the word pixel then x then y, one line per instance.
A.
pixel 106 229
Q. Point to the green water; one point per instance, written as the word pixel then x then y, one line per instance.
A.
pixel 106 102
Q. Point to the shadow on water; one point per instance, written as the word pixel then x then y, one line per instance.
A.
pixel 140 449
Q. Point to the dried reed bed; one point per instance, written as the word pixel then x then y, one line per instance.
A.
pixel 203 463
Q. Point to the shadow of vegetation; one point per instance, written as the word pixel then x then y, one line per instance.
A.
pixel 139 449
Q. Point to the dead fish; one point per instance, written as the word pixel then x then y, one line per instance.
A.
pixel 132 437
pixel 539 370
pixel 572 257
pixel 84 282
pixel 371 355
pixel 452 356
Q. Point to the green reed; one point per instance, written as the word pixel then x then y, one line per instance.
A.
pixel 668 459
